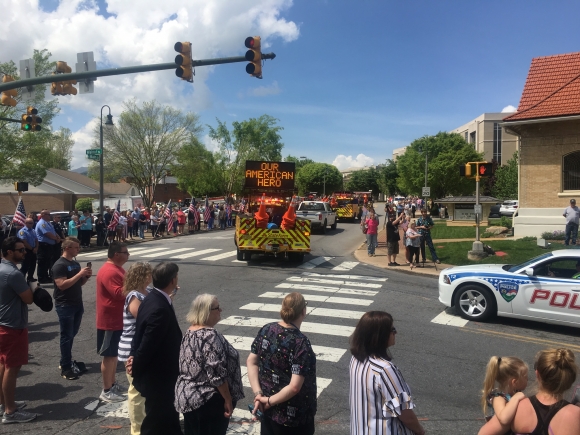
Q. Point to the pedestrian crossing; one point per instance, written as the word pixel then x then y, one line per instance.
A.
pixel 325 323
pixel 215 255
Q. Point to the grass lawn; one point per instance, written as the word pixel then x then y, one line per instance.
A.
pixel 442 231
pixel 517 251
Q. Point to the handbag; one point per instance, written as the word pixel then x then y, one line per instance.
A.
pixel 364 229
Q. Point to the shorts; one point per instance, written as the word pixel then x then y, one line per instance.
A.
pixel 13 346
pixel 111 233
pixel 392 248
pixel 108 342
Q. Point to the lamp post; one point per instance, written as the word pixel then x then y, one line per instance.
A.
pixel 101 178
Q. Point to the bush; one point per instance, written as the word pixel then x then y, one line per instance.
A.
pixel 84 204
pixel 554 235
pixel 528 239
pixel 505 222
pixel 486 235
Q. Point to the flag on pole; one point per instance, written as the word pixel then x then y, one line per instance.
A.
pixel 115 220
pixel 20 214
pixel 168 217
pixel 192 205
pixel 193 209
pixel 207 212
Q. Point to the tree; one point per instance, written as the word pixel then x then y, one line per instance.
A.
pixel 254 139
pixel 363 180
pixel 84 204
pixel 196 169
pixel 300 162
pixel 312 176
pixel 25 156
pixel 145 141
pixel 387 178
pixel 60 146
pixel 506 180
pixel 446 152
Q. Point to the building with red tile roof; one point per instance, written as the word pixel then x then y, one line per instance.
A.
pixel 548 124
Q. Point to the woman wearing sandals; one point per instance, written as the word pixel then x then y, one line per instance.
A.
pixel 413 241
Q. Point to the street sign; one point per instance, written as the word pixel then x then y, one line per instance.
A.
pixel 477 209
pixel 85 63
pixel 426 191
pixel 94 152
pixel 27 71
pixel 94 157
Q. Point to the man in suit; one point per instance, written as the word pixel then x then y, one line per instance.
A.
pixel 154 360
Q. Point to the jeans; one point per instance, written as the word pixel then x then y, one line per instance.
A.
pixel 371 243
pixel 222 224
pixel 210 223
pixel 69 317
pixel 571 232
pixel 142 229
pixel 426 238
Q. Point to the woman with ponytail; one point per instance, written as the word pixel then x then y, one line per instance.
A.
pixel 546 413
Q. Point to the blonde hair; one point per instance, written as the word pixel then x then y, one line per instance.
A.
pixel 136 277
pixel 500 370
pixel 292 307
pixel 200 309
pixel 556 369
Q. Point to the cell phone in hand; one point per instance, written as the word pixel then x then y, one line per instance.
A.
pixel 259 414
pixel 90 265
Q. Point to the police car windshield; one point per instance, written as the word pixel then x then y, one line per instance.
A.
pixel 527 263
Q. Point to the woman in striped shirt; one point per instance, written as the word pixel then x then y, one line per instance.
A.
pixel 137 278
pixel 380 399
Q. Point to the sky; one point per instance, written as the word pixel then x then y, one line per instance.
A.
pixel 351 81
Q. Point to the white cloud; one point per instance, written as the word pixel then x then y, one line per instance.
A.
pixel 344 162
pixel 84 139
pixel 264 91
pixel 509 109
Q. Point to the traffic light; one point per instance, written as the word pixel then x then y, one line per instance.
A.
pixel 465 170
pixel 185 69
pixel 63 87
pixel 21 186
pixel 254 56
pixel 29 121
pixel 7 98
pixel 485 169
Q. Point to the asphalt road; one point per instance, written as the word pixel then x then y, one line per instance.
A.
pixel 443 363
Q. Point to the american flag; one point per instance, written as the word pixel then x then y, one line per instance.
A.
pixel 20 214
pixel 115 220
pixel 168 217
pixel 228 210
pixel 207 211
pixel 192 205
pixel 243 205
pixel 193 209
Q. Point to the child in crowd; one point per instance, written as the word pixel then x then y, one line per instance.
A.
pixel 505 378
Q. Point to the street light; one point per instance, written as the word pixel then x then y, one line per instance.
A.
pixel 101 178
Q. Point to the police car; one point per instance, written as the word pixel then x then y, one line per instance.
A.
pixel 542 289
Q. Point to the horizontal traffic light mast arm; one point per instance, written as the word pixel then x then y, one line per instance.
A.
pixel 120 71
pixel 11 120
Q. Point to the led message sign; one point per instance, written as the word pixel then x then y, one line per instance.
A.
pixel 270 175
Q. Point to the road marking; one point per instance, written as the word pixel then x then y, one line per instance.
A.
pixel 346 265
pixel 220 256
pixel 316 261
pixel 334 281
pixel 313 311
pixel 115 409
pixel 358 277
pixel 516 337
pixel 447 319
pixel 195 254
pixel 310 327
pixel 172 251
pixel 323 353
pixel 320 298
pixel 321 288
pixel 321 383
pixel 104 252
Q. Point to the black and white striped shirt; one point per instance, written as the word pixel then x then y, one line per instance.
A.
pixel 128 326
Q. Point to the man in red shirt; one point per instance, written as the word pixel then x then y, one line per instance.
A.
pixel 110 303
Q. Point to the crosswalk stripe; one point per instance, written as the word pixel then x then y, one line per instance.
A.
pixel 172 251
pixel 321 383
pixel 103 253
pixel 320 298
pixel 197 253
pixel 310 327
pixel 323 353
pixel 321 288
pixel 314 262
pixel 358 277
pixel 334 281
pixel 346 265
pixel 312 311
pixel 220 256
pixel 447 319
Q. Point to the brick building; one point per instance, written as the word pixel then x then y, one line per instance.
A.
pixel 548 125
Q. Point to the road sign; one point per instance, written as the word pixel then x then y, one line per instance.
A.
pixel 85 63
pixel 426 191
pixel 94 157
pixel 477 209
pixel 94 152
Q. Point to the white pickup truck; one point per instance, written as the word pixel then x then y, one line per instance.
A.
pixel 318 213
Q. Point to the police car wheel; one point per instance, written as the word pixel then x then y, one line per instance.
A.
pixel 474 302
pixel 324 227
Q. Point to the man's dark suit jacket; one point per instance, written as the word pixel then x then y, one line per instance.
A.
pixel 156 346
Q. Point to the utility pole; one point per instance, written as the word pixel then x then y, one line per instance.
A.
pixel 426 162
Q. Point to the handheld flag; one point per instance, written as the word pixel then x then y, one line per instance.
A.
pixel 20 214
pixel 116 215
pixel 207 211
pixel 168 217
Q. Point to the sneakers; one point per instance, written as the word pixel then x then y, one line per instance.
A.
pixel 69 374
pixel 111 396
pixel 18 417
pixel 119 389
pixel 20 404
pixel 79 367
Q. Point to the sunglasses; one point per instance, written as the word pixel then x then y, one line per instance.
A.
pixel 21 250
pixel 394 330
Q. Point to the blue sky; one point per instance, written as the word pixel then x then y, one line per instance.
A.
pixel 365 77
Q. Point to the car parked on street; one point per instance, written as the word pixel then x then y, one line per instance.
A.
pixel 494 211
pixel 509 207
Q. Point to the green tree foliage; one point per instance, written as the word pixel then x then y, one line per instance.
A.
pixel 312 176
pixel 25 156
pixel 254 139
pixel 506 180
pixel 387 178
pixel 363 180
pixel 196 170
pixel 299 162
pixel 84 204
pixel 446 152
pixel 60 146
pixel 144 142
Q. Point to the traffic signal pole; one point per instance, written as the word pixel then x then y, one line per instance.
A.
pixel 120 71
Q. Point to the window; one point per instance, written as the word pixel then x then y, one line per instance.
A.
pixel 465 136
pixel 571 171
pixel 472 138
pixel 497 142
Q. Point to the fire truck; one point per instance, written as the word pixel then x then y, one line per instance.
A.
pixel 269 225
pixel 346 205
